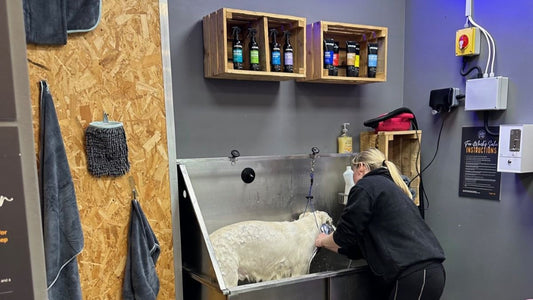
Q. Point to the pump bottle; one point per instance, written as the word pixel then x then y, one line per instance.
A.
pixel 237 49
pixel 288 61
pixel 275 52
pixel 254 51
pixel 344 141
pixel 348 182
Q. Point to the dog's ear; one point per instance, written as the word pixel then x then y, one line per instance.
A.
pixel 324 216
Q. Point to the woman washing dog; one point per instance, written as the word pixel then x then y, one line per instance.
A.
pixel 382 224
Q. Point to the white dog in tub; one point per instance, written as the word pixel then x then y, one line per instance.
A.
pixel 259 250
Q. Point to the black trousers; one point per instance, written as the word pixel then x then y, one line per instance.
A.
pixel 424 284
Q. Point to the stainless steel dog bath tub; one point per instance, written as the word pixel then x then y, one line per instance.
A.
pixel 215 192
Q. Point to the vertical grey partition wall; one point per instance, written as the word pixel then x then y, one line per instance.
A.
pixel 488 244
pixel 22 273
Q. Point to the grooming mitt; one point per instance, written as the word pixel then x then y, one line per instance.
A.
pixel 107 149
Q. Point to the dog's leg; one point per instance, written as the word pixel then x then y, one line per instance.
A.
pixel 230 271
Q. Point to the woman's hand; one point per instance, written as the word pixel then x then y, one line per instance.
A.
pixel 319 242
pixel 326 241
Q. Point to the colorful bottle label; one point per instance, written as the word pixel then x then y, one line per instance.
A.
pixel 254 56
pixel 237 55
pixel 276 58
pixel 335 59
pixel 289 58
pixel 372 60
pixel 350 59
pixel 328 57
pixel 345 144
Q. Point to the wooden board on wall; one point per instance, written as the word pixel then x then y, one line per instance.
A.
pixel 400 147
pixel 115 68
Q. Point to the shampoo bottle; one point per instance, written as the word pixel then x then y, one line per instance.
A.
pixel 237 49
pixel 344 141
pixel 335 59
pixel 348 182
pixel 275 52
pixel 329 43
pixel 372 59
pixel 254 51
pixel 288 58
pixel 352 58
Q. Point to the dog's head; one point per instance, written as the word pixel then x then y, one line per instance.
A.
pixel 322 217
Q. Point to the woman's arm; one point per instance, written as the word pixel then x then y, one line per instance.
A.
pixel 326 241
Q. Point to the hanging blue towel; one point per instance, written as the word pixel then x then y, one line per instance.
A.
pixel 48 22
pixel 140 280
pixel 62 232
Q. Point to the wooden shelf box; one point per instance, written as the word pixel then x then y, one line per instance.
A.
pixel 218 46
pixel 342 32
pixel 400 147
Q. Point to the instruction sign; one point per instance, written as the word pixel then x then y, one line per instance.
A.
pixel 15 269
pixel 479 177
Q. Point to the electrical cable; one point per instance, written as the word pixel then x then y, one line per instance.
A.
pixel 463 73
pixel 436 148
pixel 471 21
pixel 486 123
pixel 423 194
pixel 493 49
pixel 490 42
pixel 421 208
pixel 422 189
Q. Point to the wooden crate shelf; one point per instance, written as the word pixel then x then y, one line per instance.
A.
pixel 342 32
pixel 218 61
pixel 400 147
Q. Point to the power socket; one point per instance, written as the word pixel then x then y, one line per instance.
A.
pixel 486 93
pixel 443 100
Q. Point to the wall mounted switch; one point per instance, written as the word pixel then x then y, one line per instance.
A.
pixel 467 42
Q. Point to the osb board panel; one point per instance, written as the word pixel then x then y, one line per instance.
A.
pixel 116 68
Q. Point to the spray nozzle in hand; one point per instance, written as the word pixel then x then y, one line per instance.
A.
pixel 327 228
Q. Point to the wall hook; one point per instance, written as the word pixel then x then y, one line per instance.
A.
pixel 132 186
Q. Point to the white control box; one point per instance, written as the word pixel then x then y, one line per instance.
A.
pixel 486 93
pixel 515 148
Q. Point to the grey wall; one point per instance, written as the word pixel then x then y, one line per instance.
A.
pixel 489 244
pixel 214 116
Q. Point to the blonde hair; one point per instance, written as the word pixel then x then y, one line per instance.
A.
pixel 374 159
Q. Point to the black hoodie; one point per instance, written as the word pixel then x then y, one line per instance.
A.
pixel 384 226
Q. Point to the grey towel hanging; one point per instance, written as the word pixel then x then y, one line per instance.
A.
pixel 62 231
pixel 140 278
pixel 48 22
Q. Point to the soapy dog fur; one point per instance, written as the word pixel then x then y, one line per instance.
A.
pixel 260 251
